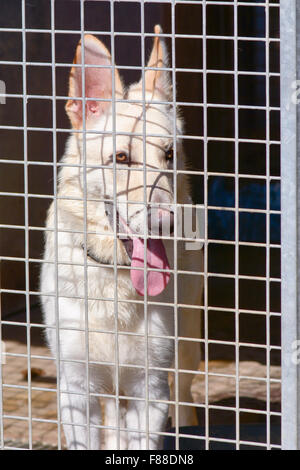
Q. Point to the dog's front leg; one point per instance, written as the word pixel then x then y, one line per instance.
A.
pixel 146 419
pixel 79 433
pixel 114 439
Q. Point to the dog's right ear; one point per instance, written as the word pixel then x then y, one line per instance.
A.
pixel 98 82
pixel 157 79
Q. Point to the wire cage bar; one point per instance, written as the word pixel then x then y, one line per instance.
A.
pixel 232 88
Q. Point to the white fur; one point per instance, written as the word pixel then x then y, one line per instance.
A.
pixel 88 346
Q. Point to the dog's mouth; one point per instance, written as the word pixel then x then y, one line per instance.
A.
pixel 128 245
pixel 122 229
pixel 153 257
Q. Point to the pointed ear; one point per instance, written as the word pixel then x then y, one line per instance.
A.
pixel 98 82
pixel 158 80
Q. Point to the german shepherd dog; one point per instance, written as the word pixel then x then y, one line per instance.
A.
pixel 114 293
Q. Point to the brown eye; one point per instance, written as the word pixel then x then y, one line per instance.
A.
pixel 169 154
pixel 121 157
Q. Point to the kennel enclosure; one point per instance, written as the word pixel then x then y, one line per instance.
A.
pixel 238 95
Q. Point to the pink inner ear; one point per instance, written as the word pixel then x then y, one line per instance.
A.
pixel 97 85
pixel 97 80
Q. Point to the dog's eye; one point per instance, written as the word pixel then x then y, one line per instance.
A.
pixel 169 155
pixel 121 157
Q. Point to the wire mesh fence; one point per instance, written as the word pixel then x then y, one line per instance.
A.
pixel 159 265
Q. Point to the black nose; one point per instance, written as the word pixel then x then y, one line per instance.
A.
pixel 160 221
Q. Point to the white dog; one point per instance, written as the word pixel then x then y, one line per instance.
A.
pixel 107 339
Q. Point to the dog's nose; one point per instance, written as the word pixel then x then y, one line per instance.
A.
pixel 160 221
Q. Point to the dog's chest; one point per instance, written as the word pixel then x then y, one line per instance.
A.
pixel 103 301
pixel 115 317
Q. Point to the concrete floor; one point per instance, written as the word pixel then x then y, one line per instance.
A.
pixel 43 396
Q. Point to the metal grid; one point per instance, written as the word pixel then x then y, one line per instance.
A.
pixel 237 38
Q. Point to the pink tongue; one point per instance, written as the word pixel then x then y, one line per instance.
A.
pixel 157 259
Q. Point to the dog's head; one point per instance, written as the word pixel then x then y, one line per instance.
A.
pixel 129 134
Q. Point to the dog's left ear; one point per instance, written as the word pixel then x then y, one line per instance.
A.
pixel 158 81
